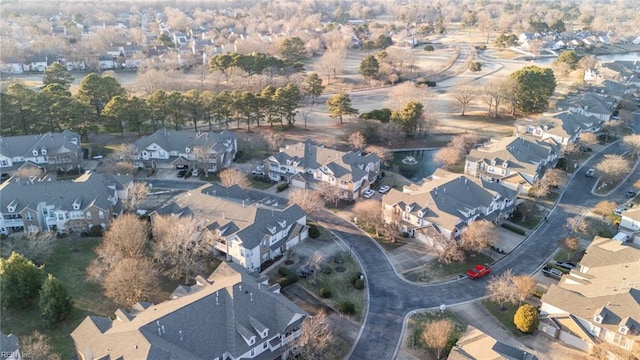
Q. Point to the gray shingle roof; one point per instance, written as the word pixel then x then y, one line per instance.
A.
pixel 589 102
pixel 9 343
pixel 172 140
pixel 203 324
pixel 22 146
pixel 90 189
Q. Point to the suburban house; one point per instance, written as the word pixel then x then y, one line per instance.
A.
pixel 599 301
pixel 477 345
pixel 10 347
pixel 310 166
pixel 35 205
pixel 563 127
pixel 626 72
pixel 171 149
pixel 630 224
pixel 242 226
pixel 589 104
pixel 443 205
pixel 230 315
pixel 52 151
pixel 515 162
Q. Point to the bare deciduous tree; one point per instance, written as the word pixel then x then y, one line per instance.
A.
pixel 577 225
pixel 202 154
pixel 612 168
pixel 500 289
pixel 230 177
pixel 524 286
pixel 436 335
pixel 309 200
pixel 126 238
pixel 180 246
pixel 605 208
pixel 274 140
pixel 479 235
pixel 404 93
pixel 38 347
pixel 539 189
pixel 391 132
pixel 449 251
pixel 554 177
pixel 36 247
pixel 588 138
pixel 464 95
pixel 357 141
pixel 317 339
pixel 571 244
pixel 131 280
pixel 632 143
pixel 29 172
pixel 136 195
pixel 330 193
pixel 331 63
pixel 383 153
pixel 369 213
pixel 447 156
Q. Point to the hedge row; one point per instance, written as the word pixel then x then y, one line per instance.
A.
pixel 513 228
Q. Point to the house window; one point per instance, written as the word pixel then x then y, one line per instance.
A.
pixel 60 216
pixel 88 215
pixel 29 216
pixel 101 214
pixel 4 162
pixel 264 345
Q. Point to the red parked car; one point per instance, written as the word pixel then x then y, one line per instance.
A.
pixel 478 271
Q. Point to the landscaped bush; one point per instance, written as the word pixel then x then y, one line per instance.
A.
pixel 150 172
pixel 355 278
pixel 327 270
pixel 429 48
pixel 96 230
pixel 325 293
pixel 347 307
pixel 515 229
pixel 358 284
pixel 526 318
pixel 283 271
pixel 283 187
pixel 314 232
pixel 288 277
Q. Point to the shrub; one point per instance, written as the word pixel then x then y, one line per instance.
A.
pixel 475 66
pixel 283 187
pixel 283 271
pixel 150 172
pixel 327 270
pixel 383 115
pixel 404 234
pixel 314 232
pixel 515 229
pixel 347 308
pixel 96 230
pixel 325 293
pixel 429 48
pixel 355 278
pixel 358 284
pixel 526 318
pixel 288 277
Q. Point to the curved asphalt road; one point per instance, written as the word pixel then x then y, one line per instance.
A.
pixel 392 298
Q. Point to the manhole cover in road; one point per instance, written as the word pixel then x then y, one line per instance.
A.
pixel 340 269
pixel 289 262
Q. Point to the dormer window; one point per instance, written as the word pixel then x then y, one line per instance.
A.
pixel 598 319
pixel 35 152
pixel 272 229
pixel 43 151
pixel 408 208
pixel 623 330
pixel 282 223
pixel 421 213
pixel 493 162
pixel 187 150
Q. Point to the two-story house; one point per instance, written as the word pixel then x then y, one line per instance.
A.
pixel 515 162
pixel 630 224
pixel 245 227
pixel 599 301
pixel 76 205
pixel 311 166
pixel 167 149
pixel 563 127
pixel 444 204
pixel 230 315
pixel 52 151
pixel 589 104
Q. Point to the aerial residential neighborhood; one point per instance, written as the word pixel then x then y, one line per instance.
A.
pixel 319 180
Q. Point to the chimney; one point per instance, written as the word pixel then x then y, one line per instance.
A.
pixel 180 332
pixel 251 295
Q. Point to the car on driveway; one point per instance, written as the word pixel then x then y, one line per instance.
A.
pixel 182 173
pixel 258 171
pixel 565 265
pixel 630 194
pixel 552 272
pixel 585 148
pixel 478 271
pixel 384 189
pixel 305 271
pixel 590 173
pixel 368 194
pixel 620 209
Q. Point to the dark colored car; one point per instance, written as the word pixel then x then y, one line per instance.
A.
pixel 305 271
pixel 182 173
pixel 585 149
pixel 552 272
pixel 478 271
pixel 565 265
pixel 630 194
pixel 4 177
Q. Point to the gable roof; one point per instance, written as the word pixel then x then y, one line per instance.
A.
pixel 173 140
pixel 9 343
pixel 565 124
pixel 474 344
pixel 346 166
pixel 244 215
pixel 520 154
pixel 214 318
pixel 589 102
pixel 23 146
pixel 91 189
pixel 607 284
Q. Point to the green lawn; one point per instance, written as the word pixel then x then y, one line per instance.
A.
pixel 504 314
pixel 69 267
pixel 416 325
pixel 260 185
pixel 440 271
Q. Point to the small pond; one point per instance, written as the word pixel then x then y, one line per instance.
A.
pixel 414 165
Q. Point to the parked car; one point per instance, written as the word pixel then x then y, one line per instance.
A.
pixel 4 177
pixel 552 272
pixel 258 171
pixel 630 194
pixel 590 173
pixel 182 173
pixel 478 271
pixel 565 265
pixel 585 148
pixel 195 172
pixel 620 209
pixel 305 271
pixel 384 189
pixel 368 194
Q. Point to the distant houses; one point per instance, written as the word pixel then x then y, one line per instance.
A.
pixel 311 166
pixel 50 151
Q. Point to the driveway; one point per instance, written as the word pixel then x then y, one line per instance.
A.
pixel 391 298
